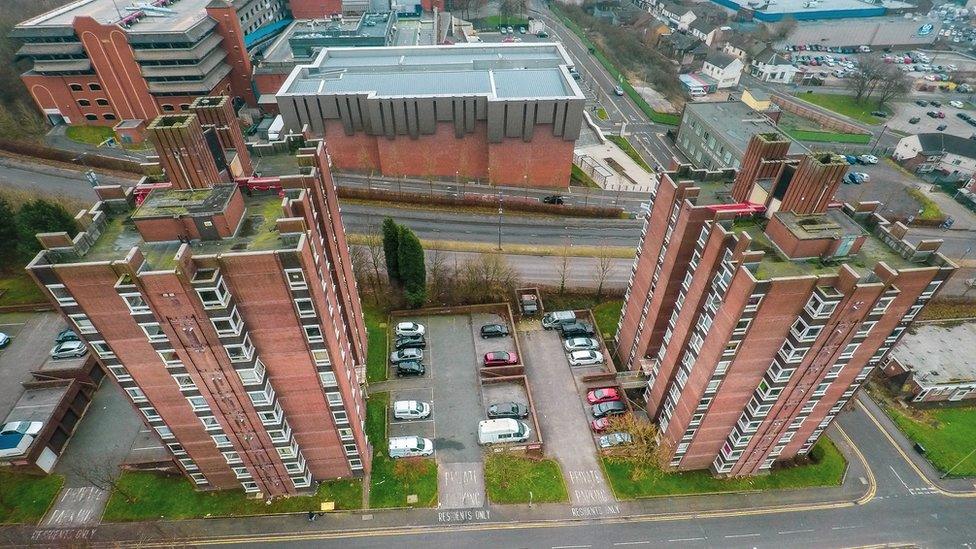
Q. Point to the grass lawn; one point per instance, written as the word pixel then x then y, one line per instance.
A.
pixel 377 344
pixel 17 288
pixel 605 310
pixel 630 150
pixel 942 310
pixel 602 113
pixel 143 495
pixel 393 480
pixel 845 105
pixel 827 137
pixel 25 498
pixel 826 470
pixel 509 478
pixel 495 21
pixel 581 178
pixel 90 135
pixel 930 209
pixel 948 435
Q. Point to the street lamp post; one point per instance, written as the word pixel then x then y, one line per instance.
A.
pixel 499 220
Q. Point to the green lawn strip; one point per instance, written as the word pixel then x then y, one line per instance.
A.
pixel 392 480
pixel 607 316
pixel 630 150
pixel 25 498
pixel 496 21
pixel 827 469
pixel 930 209
pixel 511 478
pixel 17 288
pixel 947 434
pixel 90 135
pixel 377 344
pixel 581 179
pixel 602 113
pixel 845 105
pixel 642 104
pixel 144 495
pixel 827 137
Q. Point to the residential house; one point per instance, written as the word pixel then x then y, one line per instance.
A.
pixel 724 68
pixel 933 363
pixel 705 31
pixel 683 48
pixel 949 155
pixel 743 46
pixel 773 67
pixel 679 15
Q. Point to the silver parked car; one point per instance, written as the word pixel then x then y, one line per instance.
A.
pixel 402 355
pixel 69 349
pixel 614 439
pixel 581 344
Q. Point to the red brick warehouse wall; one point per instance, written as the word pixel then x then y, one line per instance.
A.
pixel 544 162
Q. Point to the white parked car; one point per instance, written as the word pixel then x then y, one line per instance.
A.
pixel 585 358
pixel 956 104
pixel 868 159
pixel 862 177
pixel 409 329
pixel 581 344
pixel 22 427
pixel 410 409
pixel 69 349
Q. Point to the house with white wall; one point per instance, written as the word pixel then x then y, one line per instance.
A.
pixel 771 67
pixel 949 155
pixel 724 68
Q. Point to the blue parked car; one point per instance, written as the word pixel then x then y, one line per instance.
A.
pixel 850 159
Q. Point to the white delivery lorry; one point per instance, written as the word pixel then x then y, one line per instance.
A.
pixel 495 431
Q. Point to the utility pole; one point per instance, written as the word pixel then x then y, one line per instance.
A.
pixel 499 221
pixel 878 142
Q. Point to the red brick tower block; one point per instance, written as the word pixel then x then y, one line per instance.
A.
pixel 218 113
pixel 763 159
pixel 183 151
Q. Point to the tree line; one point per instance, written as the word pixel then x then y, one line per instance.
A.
pixel 20 224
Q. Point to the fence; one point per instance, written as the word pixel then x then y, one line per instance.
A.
pixel 37 150
pixel 827 121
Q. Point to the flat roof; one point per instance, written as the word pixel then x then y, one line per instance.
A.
pixel 736 123
pixel 809 9
pixel 502 71
pixel 177 17
pixel 939 353
pixel 870 31
pixel 38 404
pixel 175 202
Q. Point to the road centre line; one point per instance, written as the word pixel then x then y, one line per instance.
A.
pixel 788 532
pixel 743 535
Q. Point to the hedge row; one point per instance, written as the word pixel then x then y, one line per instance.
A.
pixel 480 200
pixel 37 150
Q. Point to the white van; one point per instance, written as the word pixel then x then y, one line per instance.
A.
pixel 401 447
pixel 555 318
pixel 495 431
pixel 410 409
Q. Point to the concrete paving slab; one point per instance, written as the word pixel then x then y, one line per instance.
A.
pixel 461 485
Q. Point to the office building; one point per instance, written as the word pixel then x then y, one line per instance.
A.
pixel 758 305
pixel 506 113
pixel 231 321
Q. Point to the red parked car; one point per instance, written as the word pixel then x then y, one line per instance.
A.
pixel 604 394
pixel 500 358
pixel 600 425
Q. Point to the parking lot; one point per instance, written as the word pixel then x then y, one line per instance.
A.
pixel 905 111
pixel 458 400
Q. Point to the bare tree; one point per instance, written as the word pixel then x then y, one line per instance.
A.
pixel 374 249
pixel 894 84
pixel 562 268
pixel 603 267
pixel 642 450
pixel 359 260
pixel 440 284
pixel 489 277
pixel 863 82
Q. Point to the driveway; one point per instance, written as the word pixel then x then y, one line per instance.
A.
pixel 563 419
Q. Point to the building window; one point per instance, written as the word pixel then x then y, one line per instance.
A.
pixel 279 435
pixel 184 106
pixel 753 303
pixel 75 87
pixel 164 432
pixel 198 403
pixel 94 87
pixel 778 373
pixel 252 376
pixel 866 328
pixel 232 457
pixel 261 398
pixel 273 417
pixel 120 373
pixel 328 379
pixel 313 333
pixel 240 353
pixel 176 448
pixel 185 382
pixel 241 472
pixel 210 423
pixel 850 350
pixel 83 324
pixel 150 413
pixel 91 117
pixel 340 417
pixel 153 331
pixel 293 468
pixel 102 349
pixel 101 101
pixel 730 348
pixel 135 303
pixel 821 389
pixel 84 103
pixel 222 441
pixel 216 297
pixel 61 295
pixel 296 279
pixel 229 325
pixel 345 434
pixel 882 305
pixel 169 357
pixel 818 307
pixel 136 394
pixel 804 332
pixel 335 399
pixel 109 116
pixel 305 307
pixel 286 452
pixel 167 107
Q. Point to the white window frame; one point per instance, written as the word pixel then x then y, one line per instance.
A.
pixel 849 350
pixel 157 338
pixel 83 323
pixel 210 423
pixel 196 405
pixel 345 433
pixel 234 319
pixel 63 301
pixel 882 305
pixel 340 417
pixel 865 328
pixel 220 289
pixel 102 349
pixel 232 457
pixel 305 313
pixel 313 333
pixel 222 441
pixel 184 382
pixel 301 284
pixel 119 371
pixel 164 432
pixel 246 348
pixel 328 379
pixel 169 362
pixel 150 413
pixel 136 394
pixel 252 376
pixel 263 397
pixel 334 398
pixel 135 309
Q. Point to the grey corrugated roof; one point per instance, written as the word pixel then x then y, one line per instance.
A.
pixel 941 142
pixel 529 83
